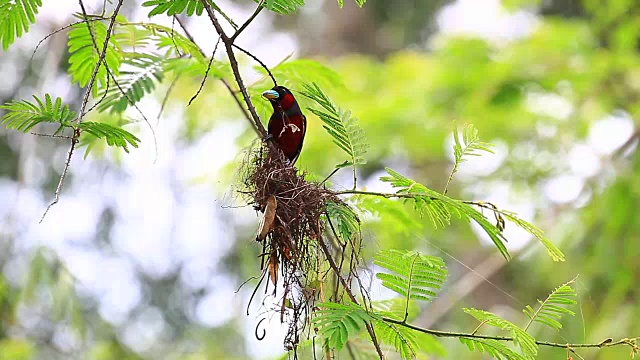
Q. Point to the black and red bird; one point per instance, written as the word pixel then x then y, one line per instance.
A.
pixel 287 125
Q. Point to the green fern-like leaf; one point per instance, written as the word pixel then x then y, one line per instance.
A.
pixel 553 251
pixel 113 135
pixel 84 55
pixel 344 220
pixel 439 207
pixel 412 275
pixel 470 145
pixel 339 123
pixel 492 347
pixel 403 340
pixel 337 322
pixel 553 308
pixel 24 115
pixel 170 41
pixel 282 7
pixel 147 71
pixel 175 7
pixel 15 18
pixel 521 338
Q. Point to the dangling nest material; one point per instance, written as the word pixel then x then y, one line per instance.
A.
pixel 291 253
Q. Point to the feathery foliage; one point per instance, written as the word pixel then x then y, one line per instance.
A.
pixel 339 123
pixel 282 7
pixel 470 145
pixel 336 322
pixel 113 135
pixel 84 54
pixel 168 40
pixel 439 207
pixel 175 7
pixel 521 338
pixel 412 275
pixel 24 115
pixel 134 84
pixel 553 251
pixel 15 18
pixel 553 307
pixel 404 340
pixel 492 347
pixel 344 220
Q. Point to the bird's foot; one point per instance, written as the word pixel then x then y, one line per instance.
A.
pixel 267 138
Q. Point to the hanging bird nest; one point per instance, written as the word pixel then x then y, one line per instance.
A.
pixel 294 213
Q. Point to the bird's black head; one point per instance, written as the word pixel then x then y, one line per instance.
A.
pixel 280 97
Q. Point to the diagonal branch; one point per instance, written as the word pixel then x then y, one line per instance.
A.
pixel 76 134
pixel 347 289
pixel 103 53
pixel 228 43
pixel 224 82
pixel 249 20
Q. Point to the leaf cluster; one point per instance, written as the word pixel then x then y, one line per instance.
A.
pixel 24 115
pixel 340 124
pixel 15 18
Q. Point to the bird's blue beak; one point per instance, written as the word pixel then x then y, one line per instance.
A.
pixel 271 94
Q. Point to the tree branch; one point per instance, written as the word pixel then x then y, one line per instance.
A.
pixel 602 344
pixel 249 20
pixel 76 135
pixel 224 82
pixel 347 289
pixel 228 43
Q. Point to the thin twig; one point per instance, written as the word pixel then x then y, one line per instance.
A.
pixel 224 82
pixel 63 176
pixel 103 53
pixel 52 136
pixel 347 289
pixel 249 20
pixel 59 30
pixel 234 67
pixel 605 343
pixel 166 98
pixel 206 74
pixel 76 134
pixel 275 83
pixel 330 175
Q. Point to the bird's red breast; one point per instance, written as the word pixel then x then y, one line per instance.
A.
pixel 287 124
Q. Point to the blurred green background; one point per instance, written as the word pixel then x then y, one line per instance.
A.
pixel 142 257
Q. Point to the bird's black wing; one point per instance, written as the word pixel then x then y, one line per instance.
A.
pixel 304 132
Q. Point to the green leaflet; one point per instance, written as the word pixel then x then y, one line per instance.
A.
pixel 553 308
pixel 492 347
pixel 24 115
pixel 84 56
pixel 439 207
pixel 147 70
pixel 412 275
pixel 343 127
pixel 337 322
pixel 175 7
pixel 15 18
pixel 282 7
pixel 521 338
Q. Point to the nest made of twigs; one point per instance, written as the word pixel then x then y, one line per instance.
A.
pixel 290 255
